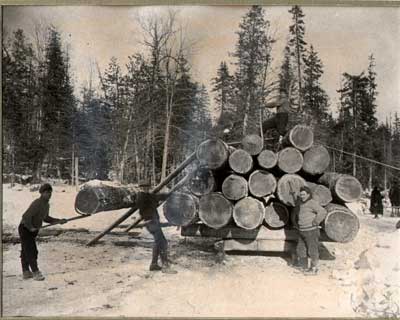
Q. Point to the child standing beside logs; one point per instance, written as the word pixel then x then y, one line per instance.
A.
pixel 306 217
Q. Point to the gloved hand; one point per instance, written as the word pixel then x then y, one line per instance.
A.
pixel 314 223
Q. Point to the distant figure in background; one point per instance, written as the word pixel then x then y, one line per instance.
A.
pixel 394 196
pixel 147 204
pixel 376 206
pixel 306 217
pixel 28 230
pixel 280 120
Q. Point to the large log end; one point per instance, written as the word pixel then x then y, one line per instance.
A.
pixel 340 224
pixel 288 188
pixel 253 144
pixel 300 137
pixel 248 213
pixel 290 160
pixel 262 183
pixel 267 159
pixel 276 215
pixel 212 153
pixel 180 209
pixel 316 160
pixel 215 210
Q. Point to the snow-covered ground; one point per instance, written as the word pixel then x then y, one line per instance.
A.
pixel 111 278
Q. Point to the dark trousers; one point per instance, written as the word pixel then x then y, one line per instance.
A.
pixel 279 122
pixel 29 251
pixel 307 245
pixel 160 246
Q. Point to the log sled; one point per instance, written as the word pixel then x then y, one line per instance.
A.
pixel 245 192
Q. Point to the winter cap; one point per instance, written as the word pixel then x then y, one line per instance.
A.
pixel 45 187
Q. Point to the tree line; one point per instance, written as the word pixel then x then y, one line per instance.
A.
pixel 149 114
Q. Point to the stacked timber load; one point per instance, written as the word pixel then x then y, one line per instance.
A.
pixel 250 191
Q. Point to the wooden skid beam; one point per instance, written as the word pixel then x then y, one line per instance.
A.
pixel 258 245
pixel 233 232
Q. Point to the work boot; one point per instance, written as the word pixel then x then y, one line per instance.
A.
pixel 37 275
pixel 301 264
pixel 154 267
pixel 167 269
pixel 313 271
pixel 27 274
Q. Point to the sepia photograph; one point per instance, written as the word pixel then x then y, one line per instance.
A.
pixel 200 161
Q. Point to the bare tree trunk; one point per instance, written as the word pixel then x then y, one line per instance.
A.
pixel 137 164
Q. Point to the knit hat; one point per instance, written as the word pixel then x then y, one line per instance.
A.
pixel 45 187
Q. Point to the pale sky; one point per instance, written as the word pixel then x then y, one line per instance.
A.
pixel 344 37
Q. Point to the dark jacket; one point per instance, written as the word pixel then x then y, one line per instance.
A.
pixel 37 212
pixel 376 201
pixel 147 204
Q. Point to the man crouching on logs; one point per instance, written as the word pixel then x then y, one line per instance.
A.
pixel 28 230
pixel 306 217
pixel 147 204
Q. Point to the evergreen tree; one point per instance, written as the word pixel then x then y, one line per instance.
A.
pixel 358 120
pixel 315 99
pixel 223 87
pixel 58 104
pixel 253 56
pixel 92 135
pixel 298 49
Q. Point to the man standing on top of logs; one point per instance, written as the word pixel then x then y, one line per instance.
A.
pixel 306 217
pixel 28 230
pixel 280 120
pixel 147 204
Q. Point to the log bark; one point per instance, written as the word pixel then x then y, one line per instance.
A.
pixel 288 188
pixel 261 183
pixel 215 210
pixel 253 144
pixel 267 159
pixel 235 187
pixel 201 181
pixel 240 161
pixel 276 215
pixel 300 137
pixel 248 213
pixel 344 188
pixel 316 160
pixel 212 153
pixel 101 197
pixel 340 224
pixel 181 209
pixel 290 160
pixel 320 193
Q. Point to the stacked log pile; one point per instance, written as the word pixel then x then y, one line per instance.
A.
pixel 249 192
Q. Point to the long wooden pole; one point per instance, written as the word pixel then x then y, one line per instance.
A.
pixel 163 183
pixel 67 220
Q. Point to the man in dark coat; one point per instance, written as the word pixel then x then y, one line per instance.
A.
pixel 376 206
pixel 147 204
pixel 28 230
